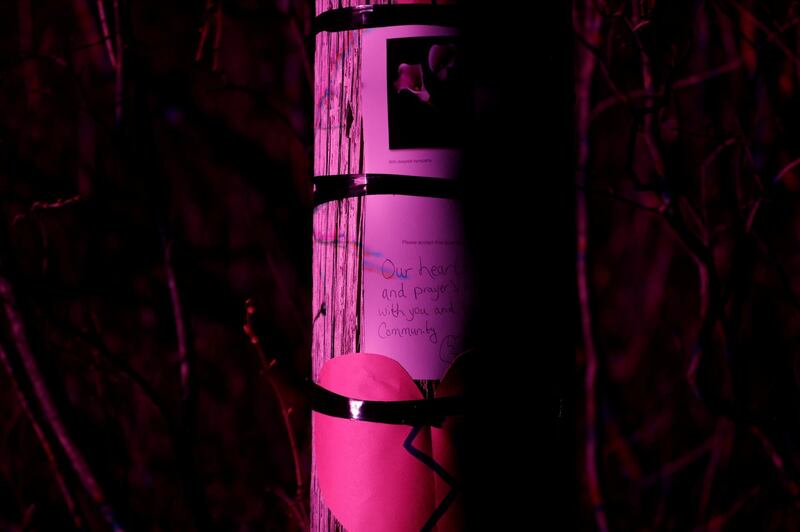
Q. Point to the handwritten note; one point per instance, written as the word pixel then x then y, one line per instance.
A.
pixel 417 288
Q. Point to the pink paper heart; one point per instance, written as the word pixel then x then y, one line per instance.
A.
pixel 379 477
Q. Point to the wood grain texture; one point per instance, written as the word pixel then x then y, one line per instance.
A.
pixel 338 125
pixel 337 263
pixel 337 303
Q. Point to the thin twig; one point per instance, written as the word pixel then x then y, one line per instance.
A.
pixel 721 430
pixel 649 129
pixel 45 443
pixel 590 27
pixel 213 17
pixel 701 269
pixel 112 56
pixel 180 324
pixel 258 97
pixel 716 523
pixel 785 170
pixel 751 216
pixel 678 464
pixel 292 504
pixel 783 276
pixel 215 51
pixel 34 217
pixel 720 407
pixel 57 204
pixel 205 28
pixel 777 461
pixel 268 363
pixel 308 70
pixel 618 94
pixel 186 433
pixel 772 36
pixel 684 83
pixel 193 490
pixel 619 444
pixel 613 194
pixel 118 74
pixel 119 364
pixel 704 172
pixel 27 47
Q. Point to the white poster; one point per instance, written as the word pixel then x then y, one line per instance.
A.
pixel 414 100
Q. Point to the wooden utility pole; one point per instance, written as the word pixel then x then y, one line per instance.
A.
pixel 345 164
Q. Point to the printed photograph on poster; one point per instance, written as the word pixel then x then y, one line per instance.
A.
pixel 426 94
pixel 416 100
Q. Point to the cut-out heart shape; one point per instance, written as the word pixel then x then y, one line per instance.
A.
pixel 379 477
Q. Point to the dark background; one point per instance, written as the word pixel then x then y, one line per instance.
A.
pixel 687 372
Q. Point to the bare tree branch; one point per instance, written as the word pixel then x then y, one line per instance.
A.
pixel 69 499
pixel 589 24
pixel 51 415
pixel 101 12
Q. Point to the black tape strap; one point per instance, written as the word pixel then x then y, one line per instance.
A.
pixel 415 413
pixel 335 187
pixel 360 17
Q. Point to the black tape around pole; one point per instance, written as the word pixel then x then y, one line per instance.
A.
pixel 360 17
pixel 415 412
pixel 336 187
